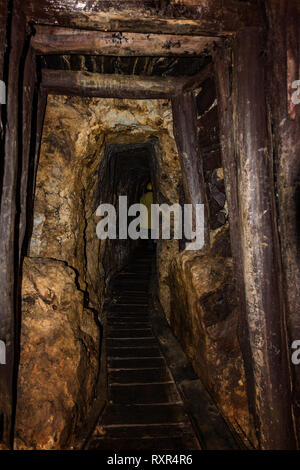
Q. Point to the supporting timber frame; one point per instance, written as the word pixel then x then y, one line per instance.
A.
pixel 247 160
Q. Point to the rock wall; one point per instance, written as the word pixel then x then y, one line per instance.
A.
pixel 59 357
pixel 76 133
pixel 204 313
pixel 65 274
pixel 205 319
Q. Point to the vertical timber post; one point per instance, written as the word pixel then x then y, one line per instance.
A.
pixel 263 338
pixel 186 136
pixel 283 82
pixel 223 78
pixel 29 85
pixel 8 248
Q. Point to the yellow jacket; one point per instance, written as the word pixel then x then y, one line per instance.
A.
pixel 147 200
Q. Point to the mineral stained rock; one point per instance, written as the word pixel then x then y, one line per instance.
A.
pixel 59 337
pixel 59 357
pixel 204 317
pixel 76 133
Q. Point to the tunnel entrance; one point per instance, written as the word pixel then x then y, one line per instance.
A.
pixel 119 147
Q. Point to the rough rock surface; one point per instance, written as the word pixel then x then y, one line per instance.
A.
pixel 59 347
pixel 76 133
pixel 59 357
pixel 204 317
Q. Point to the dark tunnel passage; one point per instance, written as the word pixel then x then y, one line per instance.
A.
pixel 110 340
pixel 120 147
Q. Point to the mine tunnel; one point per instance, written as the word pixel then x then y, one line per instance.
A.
pixel 122 342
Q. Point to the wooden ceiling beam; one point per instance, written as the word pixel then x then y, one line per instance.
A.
pixel 195 81
pixel 196 17
pixel 54 40
pixel 121 86
pixel 67 82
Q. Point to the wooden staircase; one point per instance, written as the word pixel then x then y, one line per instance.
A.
pixel 145 410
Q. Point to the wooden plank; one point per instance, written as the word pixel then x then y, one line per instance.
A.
pixel 284 69
pixel 139 376
pixel 223 67
pixel 139 414
pixel 144 394
pixel 9 267
pixel 167 443
pixel 137 363
pixel 212 428
pixel 3 44
pixel 67 82
pixel 195 81
pixel 130 342
pixel 186 136
pixel 260 246
pixel 41 112
pixel 125 333
pixel 133 352
pixel 214 17
pixel 146 431
pixel 129 309
pixel 178 363
pixel 29 85
pixel 54 40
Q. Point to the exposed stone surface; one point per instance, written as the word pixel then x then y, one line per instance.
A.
pixel 204 317
pixel 75 175
pixel 76 133
pixel 59 357
pixel 58 353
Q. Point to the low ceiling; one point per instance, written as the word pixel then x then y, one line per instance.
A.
pixel 146 66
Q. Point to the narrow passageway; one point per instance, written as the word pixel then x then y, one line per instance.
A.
pixel 145 409
pixel 160 118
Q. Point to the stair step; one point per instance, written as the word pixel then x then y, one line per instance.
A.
pixel 131 342
pixel 153 444
pixel 131 333
pixel 144 394
pixel 119 317
pixel 133 352
pixel 132 300
pixel 136 363
pixel 144 431
pixel 144 414
pixel 125 308
pixel 145 410
pixel 139 376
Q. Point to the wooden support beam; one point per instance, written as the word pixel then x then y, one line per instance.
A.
pixel 223 78
pixel 38 114
pixel 283 71
pixel 266 353
pixel 108 86
pixel 186 136
pixel 29 85
pixel 41 111
pixel 3 32
pixel 194 82
pixel 208 17
pixel 53 40
pixel 8 243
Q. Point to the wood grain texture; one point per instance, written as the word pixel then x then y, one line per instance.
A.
pixel 260 245
pixel 283 70
pixel 108 86
pixel 53 40
pixel 208 17
pixel 186 136
pixel 8 262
